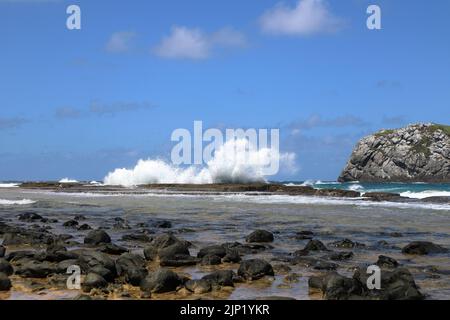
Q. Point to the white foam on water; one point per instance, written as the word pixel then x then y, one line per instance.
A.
pixel 355 187
pixel 9 185
pixel 260 199
pixel 309 200
pixel 67 180
pixel 22 202
pixel 235 162
pixel 425 194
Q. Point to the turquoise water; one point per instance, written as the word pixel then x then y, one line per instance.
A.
pixel 411 190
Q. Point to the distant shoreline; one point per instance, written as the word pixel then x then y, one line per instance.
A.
pixel 246 189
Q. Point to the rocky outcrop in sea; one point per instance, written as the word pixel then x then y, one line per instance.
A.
pixel 417 153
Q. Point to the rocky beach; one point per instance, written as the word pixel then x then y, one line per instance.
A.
pixel 258 241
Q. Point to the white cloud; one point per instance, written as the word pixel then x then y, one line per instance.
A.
pixel 186 43
pixel 306 18
pixel 120 41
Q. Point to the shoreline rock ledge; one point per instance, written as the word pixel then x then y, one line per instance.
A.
pixel 417 153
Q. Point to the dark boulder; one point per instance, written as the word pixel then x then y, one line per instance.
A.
pixel 97 237
pixel 216 250
pixel 163 224
pixel 5 283
pixel 113 249
pixel 161 281
pixel 211 260
pixel 142 237
pixel 304 235
pixel 30 217
pixel 260 236
pixel 26 237
pixel 336 287
pixel 346 244
pixel 220 278
pixel 387 262
pixel 56 253
pixel 315 245
pixel 5 267
pixel 255 269
pixel 232 256
pixel 397 284
pixel 97 262
pixel 2 251
pixel 70 224
pixel 339 256
pixel 423 248
pixel 198 286
pixel 132 267
pixel 36 269
pixel 84 227
pixel 93 281
pixel 171 251
pixel 317 264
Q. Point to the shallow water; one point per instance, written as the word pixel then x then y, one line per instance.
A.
pixel 214 219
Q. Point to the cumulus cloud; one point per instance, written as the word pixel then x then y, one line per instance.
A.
pixel 120 42
pixel 306 18
pixel 193 43
pixel 184 43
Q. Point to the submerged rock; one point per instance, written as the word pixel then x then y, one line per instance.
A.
pixel 423 248
pixel 260 236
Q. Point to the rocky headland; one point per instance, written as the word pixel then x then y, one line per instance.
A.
pixel 417 153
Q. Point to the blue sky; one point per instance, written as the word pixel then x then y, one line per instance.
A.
pixel 79 103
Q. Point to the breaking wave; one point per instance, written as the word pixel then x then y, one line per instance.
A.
pixel 23 202
pixel 9 185
pixel 425 194
pixel 67 180
pixel 229 165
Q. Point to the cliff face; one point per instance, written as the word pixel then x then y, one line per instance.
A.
pixel 417 153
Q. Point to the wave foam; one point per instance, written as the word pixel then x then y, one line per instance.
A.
pixel 425 194
pixel 9 185
pixel 227 166
pixel 16 202
pixel 67 180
